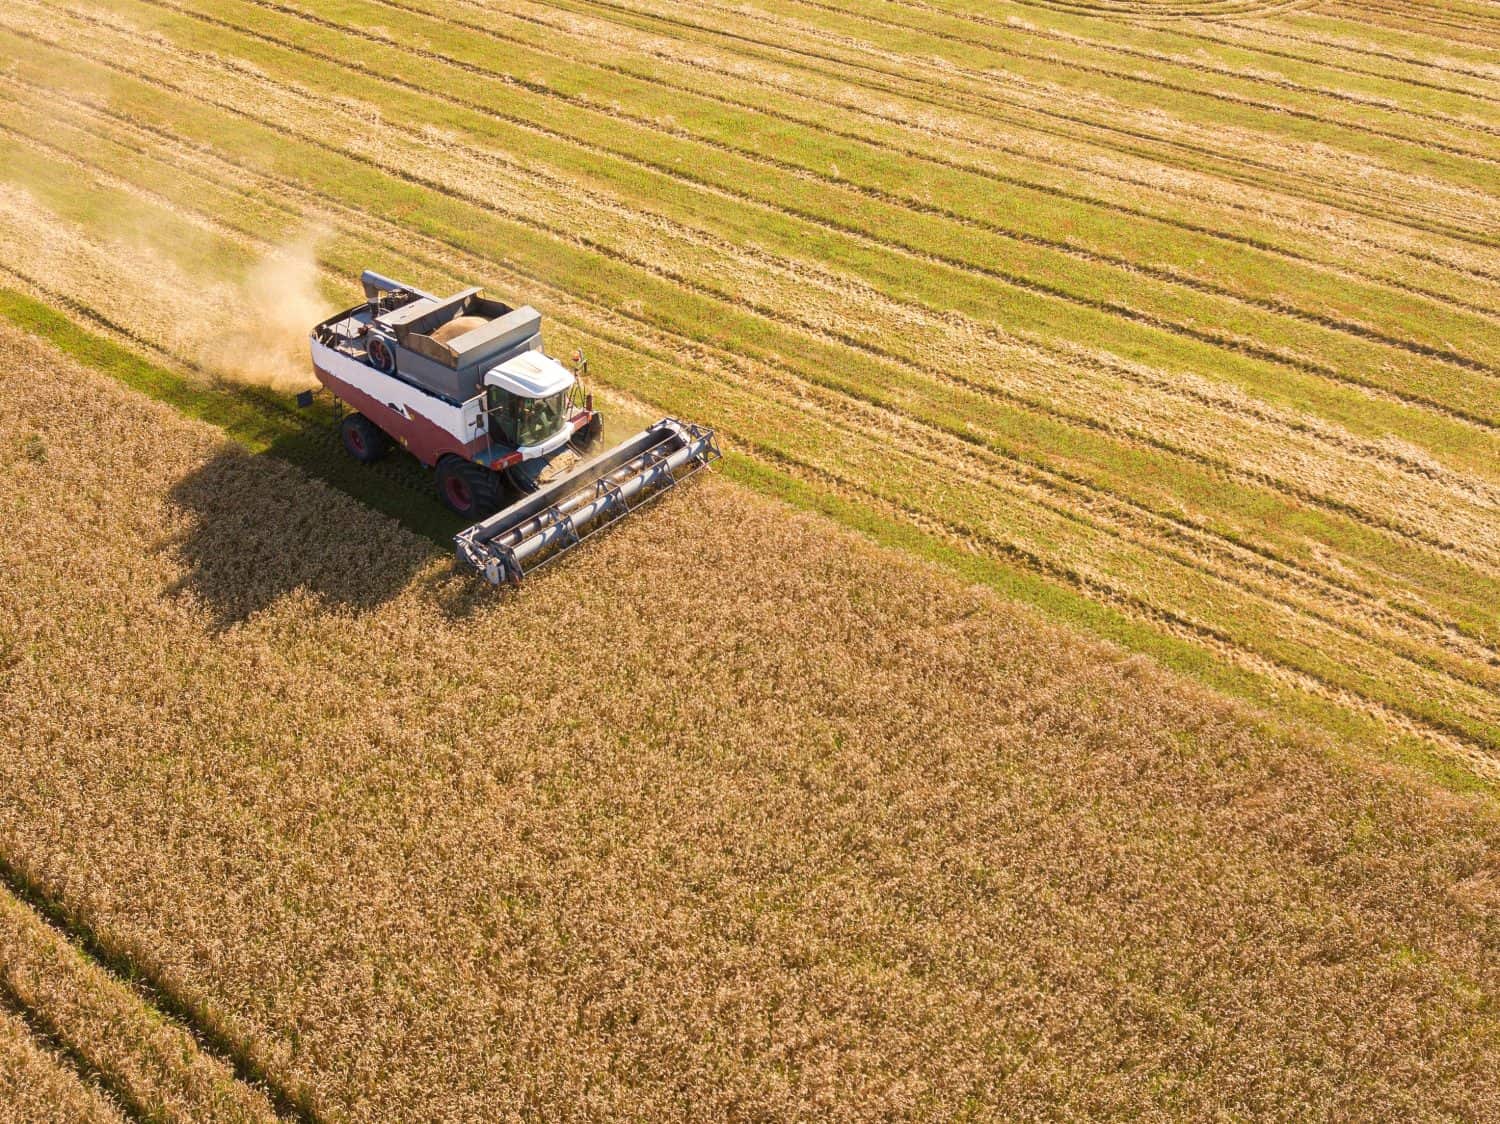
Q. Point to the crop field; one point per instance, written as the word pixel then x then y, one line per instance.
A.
pixel 1084 688
pixel 1183 330
pixel 858 841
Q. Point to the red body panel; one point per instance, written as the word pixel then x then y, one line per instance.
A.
pixel 422 437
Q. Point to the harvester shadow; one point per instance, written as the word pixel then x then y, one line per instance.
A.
pixel 259 530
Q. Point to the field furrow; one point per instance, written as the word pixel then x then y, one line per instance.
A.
pixel 1358 181
pixel 127 1052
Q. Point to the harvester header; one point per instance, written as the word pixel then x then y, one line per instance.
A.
pixel 463 384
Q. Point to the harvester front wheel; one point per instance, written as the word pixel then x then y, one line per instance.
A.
pixel 363 439
pixel 469 489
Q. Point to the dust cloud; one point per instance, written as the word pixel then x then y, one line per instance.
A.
pixel 270 312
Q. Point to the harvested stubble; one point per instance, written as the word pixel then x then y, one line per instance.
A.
pixel 732 816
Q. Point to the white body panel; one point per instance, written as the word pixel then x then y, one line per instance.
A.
pixel 551 445
pixel 532 374
pixel 466 423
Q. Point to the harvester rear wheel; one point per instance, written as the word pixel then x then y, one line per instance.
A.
pixel 469 489
pixel 363 439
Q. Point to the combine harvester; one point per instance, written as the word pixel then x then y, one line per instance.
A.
pixel 462 384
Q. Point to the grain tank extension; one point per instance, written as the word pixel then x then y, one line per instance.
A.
pixel 462 383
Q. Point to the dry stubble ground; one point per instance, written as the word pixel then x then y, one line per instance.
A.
pixel 734 815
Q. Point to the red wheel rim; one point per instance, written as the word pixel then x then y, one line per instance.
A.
pixel 457 491
pixel 356 440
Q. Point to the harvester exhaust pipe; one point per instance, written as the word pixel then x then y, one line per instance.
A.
pixel 540 527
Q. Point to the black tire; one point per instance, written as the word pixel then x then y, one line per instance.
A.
pixel 365 441
pixel 587 439
pixel 468 489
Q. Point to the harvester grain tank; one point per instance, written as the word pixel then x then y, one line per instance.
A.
pixel 462 383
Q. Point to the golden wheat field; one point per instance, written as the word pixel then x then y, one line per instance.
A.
pixel 829 837
pixel 1075 695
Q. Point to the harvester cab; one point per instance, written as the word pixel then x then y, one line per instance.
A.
pixel 463 384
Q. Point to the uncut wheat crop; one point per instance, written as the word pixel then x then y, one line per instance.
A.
pixel 759 820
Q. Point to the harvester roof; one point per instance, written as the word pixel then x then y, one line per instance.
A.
pixel 530 374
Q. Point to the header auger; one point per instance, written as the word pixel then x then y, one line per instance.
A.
pixel 462 383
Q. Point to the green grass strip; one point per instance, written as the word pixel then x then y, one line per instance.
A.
pixel 253 418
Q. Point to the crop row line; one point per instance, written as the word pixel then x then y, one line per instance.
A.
pixel 929 129
pixel 1348 509
pixel 697 62
pixel 1241 345
pixel 987 102
pixel 1454 742
pixel 1412 12
pixel 1217 464
pixel 865 15
pixel 1337 505
pixel 899 76
pixel 445 251
pixel 913 203
pixel 1207 11
pixel 1184 30
pixel 1445 65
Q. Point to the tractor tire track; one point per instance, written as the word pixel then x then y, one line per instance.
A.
pixel 151 990
pixel 1234 343
pixel 48 1039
